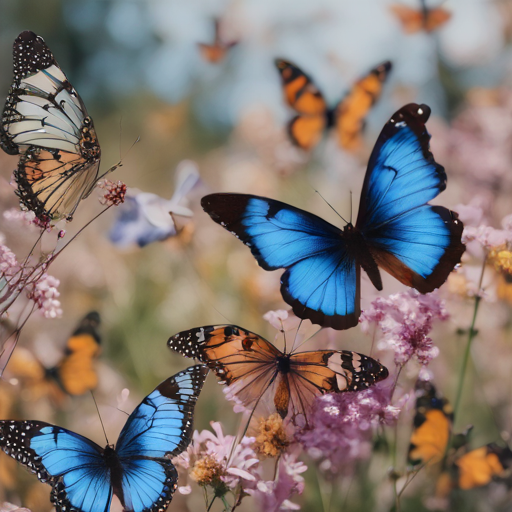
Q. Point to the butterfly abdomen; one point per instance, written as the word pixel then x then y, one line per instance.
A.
pixel 282 395
pixel 358 247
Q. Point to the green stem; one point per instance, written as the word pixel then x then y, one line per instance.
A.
pixel 467 351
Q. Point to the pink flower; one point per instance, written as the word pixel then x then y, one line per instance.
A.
pixel 405 319
pixel 8 262
pixel 9 507
pixel 26 218
pixel 115 192
pixel 275 495
pixel 212 461
pixel 283 320
pixel 44 293
pixel 342 425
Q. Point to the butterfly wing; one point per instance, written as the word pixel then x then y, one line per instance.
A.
pixel 304 97
pixel 161 426
pixel 239 358
pixel 351 112
pixel 73 465
pixel 478 467
pixel 432 426
pixel 415 242
pixel 322 277
pixel 436 18
pixel 46 122
pixel 410 19
pixel 75 372
pixel 324 371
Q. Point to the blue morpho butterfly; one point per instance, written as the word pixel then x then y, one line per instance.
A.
pixel 138 470
pixel 396 229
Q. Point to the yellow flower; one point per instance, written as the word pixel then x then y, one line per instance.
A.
pixel 272 439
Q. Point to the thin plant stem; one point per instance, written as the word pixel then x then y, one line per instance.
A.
pixel 211 504
pixel 467 351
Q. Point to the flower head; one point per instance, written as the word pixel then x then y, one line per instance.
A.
pixel 405 319
pixel 212 461
pixel 341 427
pixel 45 293
pixel 115 192
pixel 272 439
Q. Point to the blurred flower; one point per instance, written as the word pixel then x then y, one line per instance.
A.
pixel 27 218
pixel 114 192
pixel 9 507
pixel 275 495
pixel 283 320
pixel 212 461
pixel 501 258
pixel 44 293
pixel 272 439
pixel 8 262
pixel 405 319
pixel 146 217
pixel 342 424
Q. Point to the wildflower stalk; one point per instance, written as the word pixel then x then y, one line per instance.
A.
pixel 471 335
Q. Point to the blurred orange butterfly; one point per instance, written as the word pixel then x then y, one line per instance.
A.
pixel 464 469
pixel 348 116
pixel 74 374
pixel 252 366
pixel 217 51
pixel 414 20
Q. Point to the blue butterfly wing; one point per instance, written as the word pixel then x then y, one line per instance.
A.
pixel 72 464
pixel 322 277
pixel 161 426
pixel 417 243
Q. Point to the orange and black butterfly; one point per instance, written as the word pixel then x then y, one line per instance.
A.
pixel 314 116
pixel 425 18
pixel 74 374
pixel 463 468
pixel 251 365
pixel 45 122
pixel 217 51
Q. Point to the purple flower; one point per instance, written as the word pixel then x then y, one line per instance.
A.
pixel 342 425
pixel 405 319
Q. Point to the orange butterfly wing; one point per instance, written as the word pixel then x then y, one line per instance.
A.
pixel 351 111
pixel 413 20
pixel 237 356
pixel 75 372
pixel 304 97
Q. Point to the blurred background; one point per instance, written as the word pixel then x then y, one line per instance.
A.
pixel 139 70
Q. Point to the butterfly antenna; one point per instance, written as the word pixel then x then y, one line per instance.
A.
pixel 307 339
pixel 296 334
pixel 330 206
pixel 99 415
pixel 284 335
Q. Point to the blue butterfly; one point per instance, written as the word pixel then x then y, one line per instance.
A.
pixel 138 470
pixel 396 229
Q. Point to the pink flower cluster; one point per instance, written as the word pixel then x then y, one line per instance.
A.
pixel 45 293
pixel 342 424
pixel 405 320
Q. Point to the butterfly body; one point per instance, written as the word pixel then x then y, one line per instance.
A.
pixel 138 470
pixel 45 122
pixel 397 230
pixel 253 366
pixel 314 116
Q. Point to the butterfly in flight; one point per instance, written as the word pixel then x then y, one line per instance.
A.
pixel 313 115
pixel 138 470
pixel 396 229
pixel 73 375
pixel 432 431
pixel 217 51
pixel 45 122
pixel 426 18
pixel 252 366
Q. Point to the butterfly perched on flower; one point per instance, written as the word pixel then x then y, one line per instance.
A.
pixel 46 123
pixel 138 470
pixel 425 18
pixel 74 374
pixel 251 366
pixel 313 115
pixel 464 469
pixel 217 51
pixel 396 229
